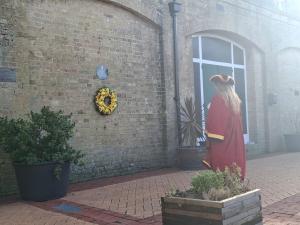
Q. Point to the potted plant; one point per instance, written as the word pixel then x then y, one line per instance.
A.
pixel 215 198
pixel 292 139
pixel 40 152
pixel 192 151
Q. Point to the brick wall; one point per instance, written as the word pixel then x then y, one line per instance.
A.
pixel 264 33
pixel 208 18
pixel 55 50
pixel 287 63
pixel 55 47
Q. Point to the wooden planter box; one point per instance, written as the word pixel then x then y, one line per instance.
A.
pixel 244 209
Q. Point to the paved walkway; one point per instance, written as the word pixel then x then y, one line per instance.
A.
pixel 135 200
pixel 284 212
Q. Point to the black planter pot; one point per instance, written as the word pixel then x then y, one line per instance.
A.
pixel 292 142
pixel 190 158
pixel 40 182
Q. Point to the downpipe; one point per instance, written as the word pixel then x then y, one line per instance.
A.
pixel 175 8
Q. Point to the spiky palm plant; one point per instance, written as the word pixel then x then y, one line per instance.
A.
pixel 190 126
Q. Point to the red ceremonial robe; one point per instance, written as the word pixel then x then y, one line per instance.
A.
pixel 225 131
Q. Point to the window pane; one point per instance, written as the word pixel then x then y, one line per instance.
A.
pixel 216 50
pixel 208 71
pixel 196 47
pixel 239 77
pixel 238 55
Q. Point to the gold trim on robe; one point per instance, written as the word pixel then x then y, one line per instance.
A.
pixel 216 136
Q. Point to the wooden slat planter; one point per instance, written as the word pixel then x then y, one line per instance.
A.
pixel 244 209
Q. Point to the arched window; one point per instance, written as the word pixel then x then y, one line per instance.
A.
pixel 214 55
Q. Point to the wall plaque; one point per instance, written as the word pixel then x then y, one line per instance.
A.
pixel 102 72
pixel 7 74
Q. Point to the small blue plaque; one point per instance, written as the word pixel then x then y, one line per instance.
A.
pixel 7 74
pixel 102 72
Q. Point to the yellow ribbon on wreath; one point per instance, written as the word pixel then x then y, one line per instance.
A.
pixel 106 101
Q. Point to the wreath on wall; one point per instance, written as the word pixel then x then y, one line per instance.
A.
pixel 106 101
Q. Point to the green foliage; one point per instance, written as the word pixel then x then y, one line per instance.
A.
pixel 232 178
pixel 217 194
pixel 42 138
pixel 215 186
pixel 207 180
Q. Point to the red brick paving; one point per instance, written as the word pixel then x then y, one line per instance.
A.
pixel 101 182
pixel 96 215
pixel 138 198
pixel 119 179
pixel 276 176
pixel 279 183
pixel 284 212
pixel 20 213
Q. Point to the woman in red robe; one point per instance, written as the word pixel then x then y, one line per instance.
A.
pixel 224 127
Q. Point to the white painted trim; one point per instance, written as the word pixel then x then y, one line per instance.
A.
pixel 232 63
pixel 205 61
pixel 201 84
pixel 246 136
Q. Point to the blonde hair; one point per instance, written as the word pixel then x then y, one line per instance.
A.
pixel 230 97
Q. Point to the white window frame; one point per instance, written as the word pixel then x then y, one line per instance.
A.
pixel 233 66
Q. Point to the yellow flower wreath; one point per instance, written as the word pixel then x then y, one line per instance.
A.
pixel 106 101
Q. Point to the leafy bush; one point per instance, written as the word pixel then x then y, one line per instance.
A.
pixel 215 186
pixel 203 182
pixel 232 178
pixel 42 138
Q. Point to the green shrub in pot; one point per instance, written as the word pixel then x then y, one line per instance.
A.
pixel 40 141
